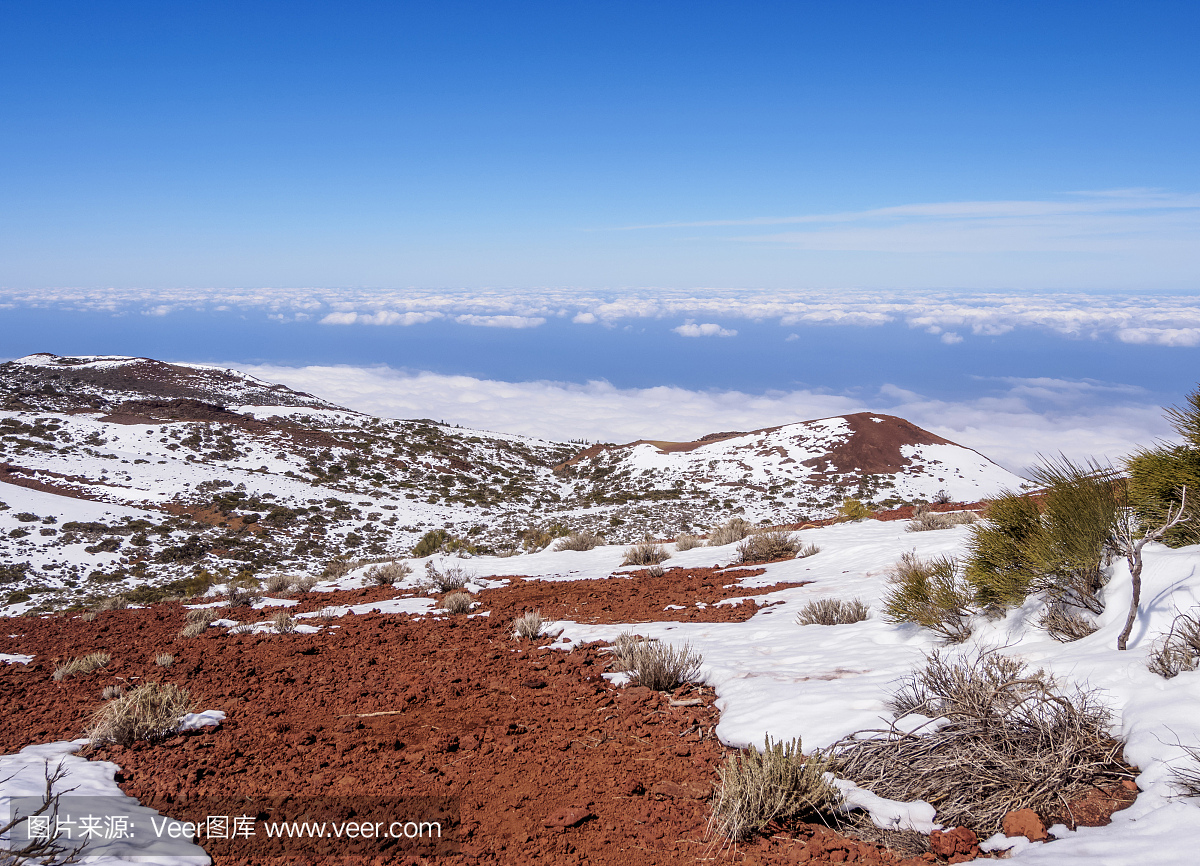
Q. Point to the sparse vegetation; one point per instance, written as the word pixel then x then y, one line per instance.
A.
pixel 582 540
pixel 529 625
pixel 149 712
pixel 452 578
pixel 645 553
pixel 242 595
pixel 457 602
pixel 653 664
pixel 387 574
pixel 1178 650
pixel 1065 623
pixel 281 584
pixel 82 665
pixel 734 529
pixel 336 568
pixel 924 520
pixel 833 611
pixel 686 541
pixel 164 660
pixel 109 692
pixel 767 546
pixel 1010 739
pixel 777 783
pixel 930 594
pixel 1187 778
pixel 114 602
pixel 283 622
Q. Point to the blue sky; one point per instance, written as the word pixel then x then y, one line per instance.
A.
pixel 985 216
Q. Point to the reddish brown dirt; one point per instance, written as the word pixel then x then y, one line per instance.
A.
pixel 549 762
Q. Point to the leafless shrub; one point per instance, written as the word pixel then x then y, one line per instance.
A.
pixel 454 577
pixel 1010 739
pixel 388 574
pixel 686 541
pixel 283 622
pixel 1063 622
pixel 88 616
pixel 529 625
pixel 767 546
pixel 734 529
pixel 241 595
pixel 42 849
pixel 656 571
pixel 164 660
pixel 110 692
pixel 457 602
pixel 833 611
pixel 149 712
pixel 656 665
pixel 306 583
pixel 775 784
pixel 924 520
pixel 645 553
pixel 281 584
pixel 336 568
pixel 942 498
pixel 1187 779
pixel 1178 650
pixel 115 602
pixel 584 540
pixel 82 665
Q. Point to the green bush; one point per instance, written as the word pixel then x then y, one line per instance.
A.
pixel 1157 477
pixel 853 509
pixel 930 594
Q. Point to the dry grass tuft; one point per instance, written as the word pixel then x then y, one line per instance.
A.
pixel 457 602
pixel 759 787
pixel 655 665
pixel 924 520
pixel 833 611
pixel 164 660
pixel 529 625
pixel 1010 739
pixel 584 540
pixel 1177 651
pixel 768 546
pixel 82 665
pixel 306 583
pixel 281 584
pixel 198 621
pixel 109 692
pixel 149 712
pixel 686 541
pixel 387 574
pixel 284 623
pixel 645 553
pixel 116 602
pixel 734 529
pixel 88 616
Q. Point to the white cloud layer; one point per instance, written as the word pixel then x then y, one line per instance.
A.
pixel 708 329
pixel 1024 418
pixel 1150 319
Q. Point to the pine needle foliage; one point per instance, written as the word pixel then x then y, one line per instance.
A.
pixel 930 594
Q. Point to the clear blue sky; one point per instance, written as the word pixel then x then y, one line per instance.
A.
pixel 525 144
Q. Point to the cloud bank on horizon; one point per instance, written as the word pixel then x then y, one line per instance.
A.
pixel 1029 417
pixel 1139 319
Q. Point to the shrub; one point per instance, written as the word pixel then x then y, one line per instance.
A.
pixel 193 629
pixel 329 612
pixel 457 602
pixel 202 614
pixel 833 611
pixel 240 595
pixel 758 788
pixel 306 583
pixel 686 541
pixel 82 665
pixel 767 546
pixel 387 574
pixel 1009 739
pixel 283 622
pixel 454 577
pixel 807 551
pixel 924 520
pixel 645 553
pixel 584 540
pixel 281 584
pixel 1178 650
pixel 336 568
pixel 164 660
pixel 1158 475
pixel 930 594
pixel 149 712
pixel 655 665
pixel 1187 778
pixel 734 529
pixel 529 625
pixel 114 602
pixel 853 509
pixel 1064 623
pixel 942 497
pixel 440 541
pixel 88 616
pixel 655 571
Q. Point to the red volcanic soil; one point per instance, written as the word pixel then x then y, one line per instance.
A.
pixel 542 758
